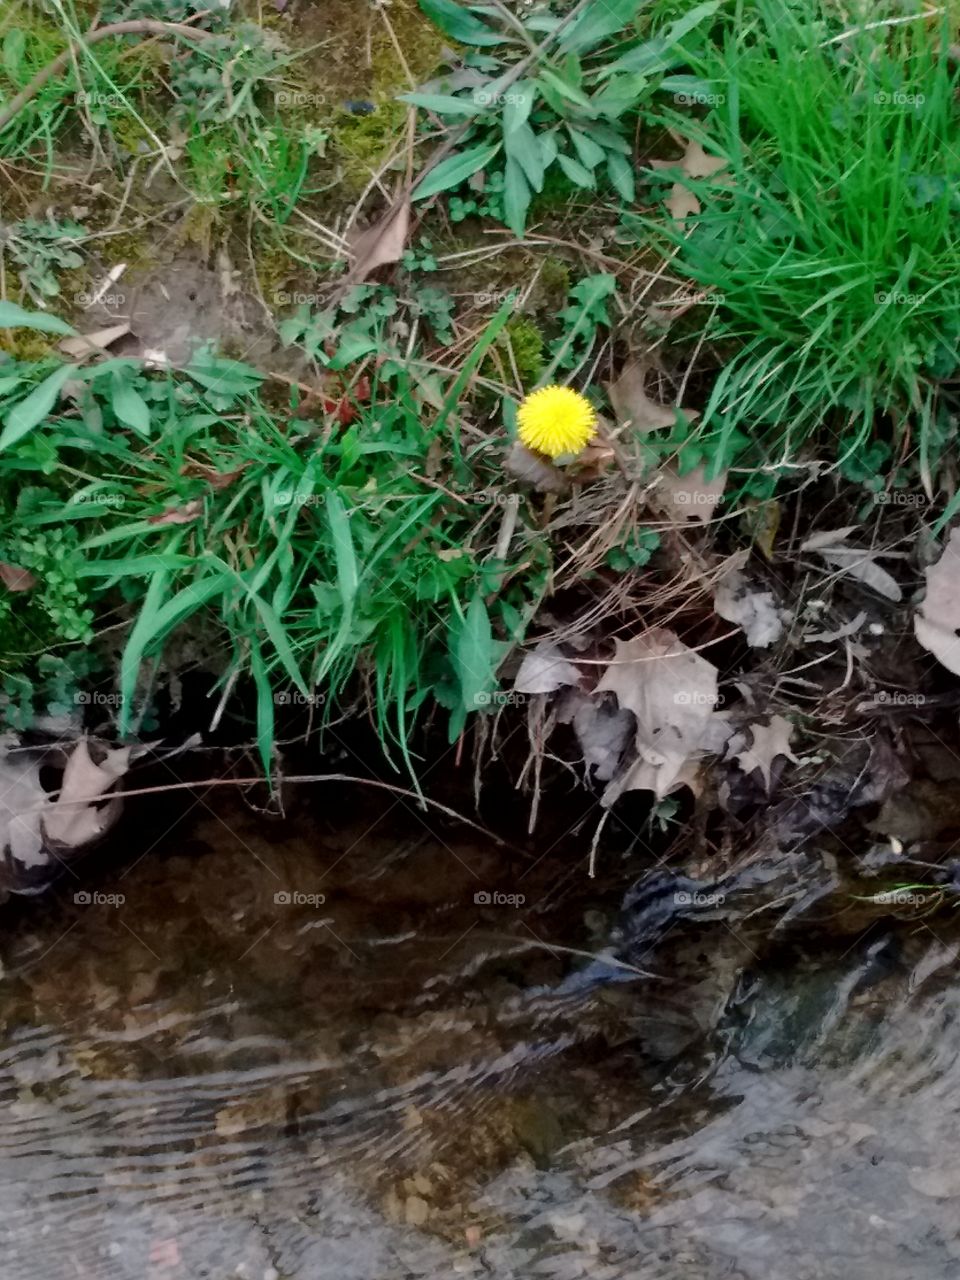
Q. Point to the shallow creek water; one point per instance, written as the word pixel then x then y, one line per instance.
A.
pixel 209 1080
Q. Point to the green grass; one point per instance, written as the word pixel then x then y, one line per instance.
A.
pixel 302 553
pixel 832 239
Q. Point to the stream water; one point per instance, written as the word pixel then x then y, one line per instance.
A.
pixel 335 1053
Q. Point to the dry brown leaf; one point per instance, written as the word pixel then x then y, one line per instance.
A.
pixel 383 243
pixel 87 344
pixel 79 816
pixel 634 407
pixel 768 742
pixel 859 563
pixel 828 538
pixel 16 579
pixel 755 612
pixel 179 515
pixel 603 731
pixel 688 497
pixel 694 162
pixel 544 670
pixel 533 470
pixel 681 202
pixel 672 691
pixel 938 620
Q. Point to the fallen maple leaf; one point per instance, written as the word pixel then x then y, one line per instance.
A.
pixel 938 620
pixel 16 579
pixel 681 202
pixel 672 691
pixel 694 162
pixel 383 243
pixel 768 742
pixel 634 407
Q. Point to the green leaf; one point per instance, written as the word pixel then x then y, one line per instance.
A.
pixel 266 711
pixel 589 152
pixel 524 148
pixel 455 169
pixel 13 48
pixel 517 105
pixel 619 94
pixel 475 656
pixel 620 172
pixel 32 410
pixel 130 407
pixel 657 54
pixel 445 104
pixel 551 80
pixel 14 317
pixel 601 19
pixel 516 197
pixel 459 23
pixel 576 172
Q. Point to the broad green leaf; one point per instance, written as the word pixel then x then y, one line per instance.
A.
pixel 620 172
pixel 599 21
pixel 32 410
pixel 590 153
pixel 563 88
pixel 516 197
pixel 445 104
pixel 455 169
pixel 130 407
pixel 517 105
pixel 458 22
pixel 475 656
pixel 576 172
pixel 15 317
pixel 523 147
pixel 619 94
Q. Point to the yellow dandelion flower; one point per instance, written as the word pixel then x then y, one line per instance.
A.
pixel 555 421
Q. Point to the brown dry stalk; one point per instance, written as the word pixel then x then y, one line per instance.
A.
pixel 135 27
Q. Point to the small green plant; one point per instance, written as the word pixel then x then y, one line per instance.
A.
pixel 572 111
pixel 37 249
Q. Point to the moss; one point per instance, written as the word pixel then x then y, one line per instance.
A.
pixel 522 336
pixel 26 346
